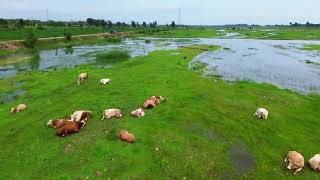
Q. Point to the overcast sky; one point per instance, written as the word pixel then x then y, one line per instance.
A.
pixel 195 12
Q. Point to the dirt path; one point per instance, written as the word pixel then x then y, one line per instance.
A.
pixel 13 45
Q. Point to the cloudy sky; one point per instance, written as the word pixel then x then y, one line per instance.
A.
pixel 201 12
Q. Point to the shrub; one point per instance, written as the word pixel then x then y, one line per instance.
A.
pixel 113 40
pixel 30 40
pixel 147 41
pixel 112 56
pixel 67 36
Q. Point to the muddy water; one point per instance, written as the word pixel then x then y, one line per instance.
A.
pixel 281 63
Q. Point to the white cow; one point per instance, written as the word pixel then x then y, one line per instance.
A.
pixel 109 113
pixel 261 113
pixel 82 77
pixel 105 81
pixel 315 162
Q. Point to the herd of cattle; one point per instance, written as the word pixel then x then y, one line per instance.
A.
pixel 64 127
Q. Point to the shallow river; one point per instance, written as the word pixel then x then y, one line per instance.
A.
pixel 281 63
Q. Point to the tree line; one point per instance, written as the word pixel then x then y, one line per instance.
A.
pixel 20 23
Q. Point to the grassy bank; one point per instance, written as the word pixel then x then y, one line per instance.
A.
pixel 285 33
pixel 312 47
pixel 181 33
pixel 203 131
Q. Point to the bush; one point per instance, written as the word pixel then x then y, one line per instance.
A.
pixel 112 56
pixel 30 40
pixel 147 41
pixel 67 36
pixel 114 40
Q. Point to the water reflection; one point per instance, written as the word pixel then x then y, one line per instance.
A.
pixel 240 59
pixel 68 50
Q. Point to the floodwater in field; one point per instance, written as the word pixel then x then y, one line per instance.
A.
pixel 279 62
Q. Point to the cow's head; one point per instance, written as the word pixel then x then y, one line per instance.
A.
pixel 50 122
pixel 13 110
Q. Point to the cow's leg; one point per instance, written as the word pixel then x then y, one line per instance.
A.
pixel 103 117
pixel 298 170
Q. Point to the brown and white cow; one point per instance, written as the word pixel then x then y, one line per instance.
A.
pixel 152 102
pixel 70 127
pixel 138 113
pixel 82 116
pixel 109 113
pixel 19 108
pixel 124 135
pixel 82 78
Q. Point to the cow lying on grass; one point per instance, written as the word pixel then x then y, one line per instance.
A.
pixel 124 135
pixel 19 108
pixel 109 113
pixel 105 81
pixel 152 102
pixel 65 127
pixel 315 162
pixel 294 161
pixel 82 116
pixel 138 113
pixel 69 127
pixel 261 113
pixel 82 78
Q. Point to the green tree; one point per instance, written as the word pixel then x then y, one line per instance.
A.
pixel 133 24
pixel 20 23
pixel 173 24
pixel 144 24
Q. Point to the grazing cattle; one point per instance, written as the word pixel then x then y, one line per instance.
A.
pixel 82 77
pixel 81 116
pixel 261 113
pixel 70 127
pixel 57 123
pixel 315 162
pixel 109 113
pixel 19 108
pixel 105 81
pixel 152 102
pixel 138 113
pixel 124 135
pixel 294 161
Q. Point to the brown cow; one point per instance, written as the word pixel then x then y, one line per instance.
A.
pixel 124 135
pixel 19 108
pixel 57 123
pixel 69 127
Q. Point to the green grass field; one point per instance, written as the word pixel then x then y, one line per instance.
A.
pixel 196 130
pixel 181 33
pixel 312 47
pixel 288 33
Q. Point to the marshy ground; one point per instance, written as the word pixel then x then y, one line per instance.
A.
pixel 204 130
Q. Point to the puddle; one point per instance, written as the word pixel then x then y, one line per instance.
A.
pixel 242 160
pixel 8 97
